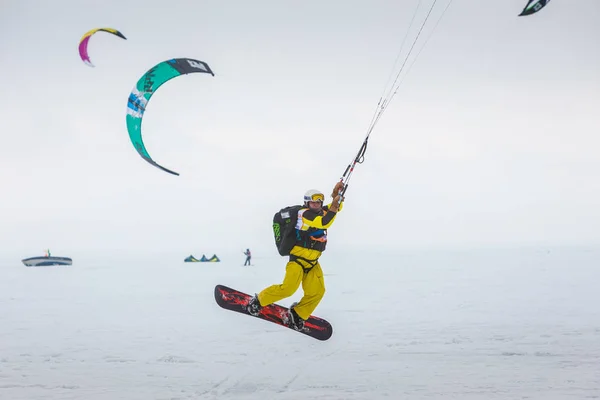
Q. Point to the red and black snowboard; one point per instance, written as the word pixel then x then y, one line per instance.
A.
pixel 233 300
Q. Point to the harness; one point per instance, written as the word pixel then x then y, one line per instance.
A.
pixel 312 263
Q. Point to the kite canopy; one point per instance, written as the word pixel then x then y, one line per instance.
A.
pixel 83 43
pixel 533 6
pixel 145 88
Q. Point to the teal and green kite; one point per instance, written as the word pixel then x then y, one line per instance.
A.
pixel 145 88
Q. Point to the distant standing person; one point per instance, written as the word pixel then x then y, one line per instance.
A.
pixel 248 257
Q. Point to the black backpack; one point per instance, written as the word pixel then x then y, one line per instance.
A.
pixel 284 229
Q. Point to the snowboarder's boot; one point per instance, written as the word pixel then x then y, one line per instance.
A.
pixel 254 306
pixel 294 320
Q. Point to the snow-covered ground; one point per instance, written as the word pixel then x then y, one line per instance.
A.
pixel 489 324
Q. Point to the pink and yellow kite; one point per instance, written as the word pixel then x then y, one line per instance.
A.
pixel 83 43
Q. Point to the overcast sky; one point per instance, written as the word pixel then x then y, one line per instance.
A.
pixel 492 139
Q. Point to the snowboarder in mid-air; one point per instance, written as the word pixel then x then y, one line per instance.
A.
pixel 309 239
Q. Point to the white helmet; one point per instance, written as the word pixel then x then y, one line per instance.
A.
pixel 314 195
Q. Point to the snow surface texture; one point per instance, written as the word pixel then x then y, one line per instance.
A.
pixel 502 324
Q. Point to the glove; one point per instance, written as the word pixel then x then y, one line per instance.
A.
pixel 336 189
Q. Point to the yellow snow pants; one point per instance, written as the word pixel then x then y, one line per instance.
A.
pixel 313 286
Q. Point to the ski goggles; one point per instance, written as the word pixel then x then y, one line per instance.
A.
pixel 315 197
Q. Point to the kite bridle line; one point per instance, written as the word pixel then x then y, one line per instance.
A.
pixel 386 98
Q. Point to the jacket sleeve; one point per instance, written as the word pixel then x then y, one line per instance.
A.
pixel 315 220
pixel 328 206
